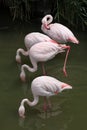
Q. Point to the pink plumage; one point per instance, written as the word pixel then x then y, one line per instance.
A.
pixel 30 40
pixel 41 52
pixel 57 31
pixel 43 86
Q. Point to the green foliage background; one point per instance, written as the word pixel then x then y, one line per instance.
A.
pixel 74 12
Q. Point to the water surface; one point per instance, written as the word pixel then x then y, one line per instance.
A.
pixel 69 109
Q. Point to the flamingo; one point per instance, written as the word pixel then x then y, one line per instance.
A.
pixel 58 32
pixel 29 40
pixel 43 86
pixel 32 39
pixel 41 52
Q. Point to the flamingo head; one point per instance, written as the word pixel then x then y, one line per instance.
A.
pixel 46 21
pixel 22 76
pixel 46 27
pixel 65 86
pixel 21 111
pixel 18 58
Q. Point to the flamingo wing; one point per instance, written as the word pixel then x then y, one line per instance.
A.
pixel 45 51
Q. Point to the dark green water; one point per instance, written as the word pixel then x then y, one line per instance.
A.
pixel 69 110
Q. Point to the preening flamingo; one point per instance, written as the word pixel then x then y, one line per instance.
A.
pixel 43 86
pixel 41 52
pixel 58 32
pixel 29 40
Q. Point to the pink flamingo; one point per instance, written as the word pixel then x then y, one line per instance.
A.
pixel 32 39
pixel 29 40
pixel 43 86
pixel 58 32
pixel 41 52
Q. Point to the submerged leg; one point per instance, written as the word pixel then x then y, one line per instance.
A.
pixel 47 104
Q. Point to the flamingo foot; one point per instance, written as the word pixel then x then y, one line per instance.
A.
pixel 22 76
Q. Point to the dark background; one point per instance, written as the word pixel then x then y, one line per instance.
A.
pixel 71 13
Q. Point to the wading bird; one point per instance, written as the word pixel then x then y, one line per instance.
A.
pixel 58 32
pixel 43 86
pixel 41 52
pixel 30 40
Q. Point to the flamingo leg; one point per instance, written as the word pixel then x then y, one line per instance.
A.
pixel 45 99
pixel 47 104
pixel 43 69
pixel 67 53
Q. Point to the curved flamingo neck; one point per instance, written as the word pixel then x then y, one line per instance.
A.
pixel 49 19
pixel 33 103
pixel 22 74
pixel 46 21
pixel 25 53
pixel 29 68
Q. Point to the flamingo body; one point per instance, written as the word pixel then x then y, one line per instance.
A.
pixel 57 31
pixel 29 40
pixel 35 37
pixel 41 52
pixel 43 86
pixel 47 86
pixel 45 51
